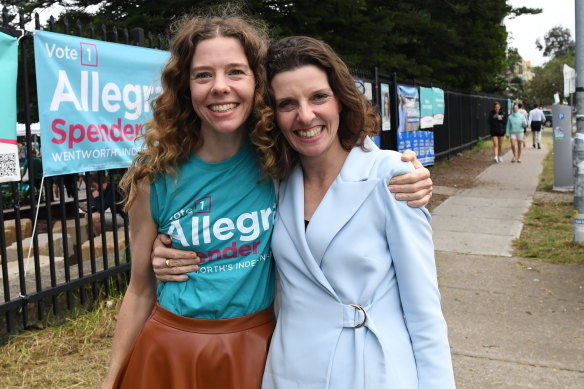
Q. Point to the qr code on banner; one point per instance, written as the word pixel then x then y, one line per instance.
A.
pixel 9 165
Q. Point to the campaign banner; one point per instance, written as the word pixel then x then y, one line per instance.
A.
pixel 385 108
pixel 94 98
pixel 9 163
pixel 422 142
pixel 408 108
pixel 438 106
pixel 426 107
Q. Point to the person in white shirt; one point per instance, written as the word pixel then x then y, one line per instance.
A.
pixel 536 118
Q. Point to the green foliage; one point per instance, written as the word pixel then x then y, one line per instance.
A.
pixel 512 74
pixel 557 43
pixel 455 43
pixel 549 79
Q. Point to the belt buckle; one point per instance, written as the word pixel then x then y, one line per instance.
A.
pixel 360 308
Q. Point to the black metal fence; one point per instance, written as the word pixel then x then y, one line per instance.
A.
pixel 465 116
pixel 64 264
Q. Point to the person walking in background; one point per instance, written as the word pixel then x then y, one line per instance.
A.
pixel 525 115
pixel 515 128
pixel 497 123
pixel 535 121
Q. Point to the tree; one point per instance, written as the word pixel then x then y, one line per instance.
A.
pixel 557 42
pixel 454 43
pixel 549 79
pixel 513 75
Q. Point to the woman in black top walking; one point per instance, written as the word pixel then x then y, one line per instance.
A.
pixel 497 123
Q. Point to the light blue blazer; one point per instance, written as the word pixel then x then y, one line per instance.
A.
pixel 361 247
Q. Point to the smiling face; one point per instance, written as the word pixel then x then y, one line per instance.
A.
pixel 307 112
pixel 222 86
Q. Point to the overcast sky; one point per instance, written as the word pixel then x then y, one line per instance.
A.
pixel 525 29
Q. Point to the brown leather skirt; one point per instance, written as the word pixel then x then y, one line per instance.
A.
pixel 178 352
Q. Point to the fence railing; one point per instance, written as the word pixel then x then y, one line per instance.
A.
pixel 64 263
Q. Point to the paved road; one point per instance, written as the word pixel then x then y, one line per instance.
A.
pixel 513 323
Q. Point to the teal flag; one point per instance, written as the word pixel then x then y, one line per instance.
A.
pixel 438 106
pixel 94 98
pixel 9 164
pixel 426 108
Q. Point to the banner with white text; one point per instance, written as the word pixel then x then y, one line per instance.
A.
pixel 438 106
pixel 422 142
pixel 9 163
pixel 426 107
pixel 94 98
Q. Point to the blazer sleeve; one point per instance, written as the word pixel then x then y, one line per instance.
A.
pixel 409 237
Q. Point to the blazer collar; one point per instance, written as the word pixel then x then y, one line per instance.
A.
pixel 345 196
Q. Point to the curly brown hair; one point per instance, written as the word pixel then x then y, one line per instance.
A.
pixel 174 131
pixel 358 118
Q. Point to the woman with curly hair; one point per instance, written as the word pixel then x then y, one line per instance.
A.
pixel 198 180
pixel 213 330
pixel 360 306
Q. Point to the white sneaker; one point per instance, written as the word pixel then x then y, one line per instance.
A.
pixel 496 159
pixel 500 159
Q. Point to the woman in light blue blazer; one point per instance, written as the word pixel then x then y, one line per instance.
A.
pixel 360 306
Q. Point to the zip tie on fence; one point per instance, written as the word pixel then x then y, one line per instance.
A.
pixel 22 34
pixel 36 216
pixel 26 300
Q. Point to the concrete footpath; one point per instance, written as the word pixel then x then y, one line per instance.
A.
pixel 513 322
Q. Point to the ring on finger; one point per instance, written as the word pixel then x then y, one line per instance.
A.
pixel 168 263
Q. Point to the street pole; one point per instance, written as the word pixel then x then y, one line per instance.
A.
pixel 578 153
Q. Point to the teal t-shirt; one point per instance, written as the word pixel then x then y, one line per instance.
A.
pixel 222 212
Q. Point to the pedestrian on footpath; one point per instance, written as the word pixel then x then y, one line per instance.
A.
pixel 536 118
pixel 525 115
pixel 497 123
pixel 515 128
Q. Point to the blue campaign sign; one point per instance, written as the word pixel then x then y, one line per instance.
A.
pixel 9 163
pixel 94 98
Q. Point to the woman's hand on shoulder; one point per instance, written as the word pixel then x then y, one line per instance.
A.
pixel 170 264
pixel 414 187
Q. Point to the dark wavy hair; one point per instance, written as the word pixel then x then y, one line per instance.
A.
pixel 174 131
pixel 358 118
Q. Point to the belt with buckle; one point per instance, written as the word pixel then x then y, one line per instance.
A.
pixel 360 308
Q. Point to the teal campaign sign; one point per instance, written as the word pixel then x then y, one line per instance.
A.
pixel 94 98
pixel 426 107
pixel 9 164
pixel 438 106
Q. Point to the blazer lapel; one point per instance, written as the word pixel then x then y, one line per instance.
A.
pixel 342 200
pixel 291 214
